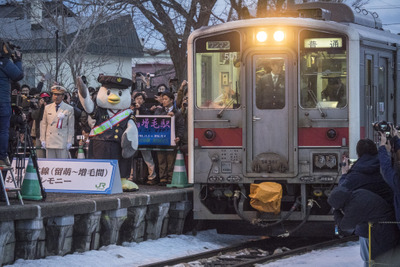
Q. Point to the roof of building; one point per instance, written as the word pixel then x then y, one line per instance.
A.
pixel 115 37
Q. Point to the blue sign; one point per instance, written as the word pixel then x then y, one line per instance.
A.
pixel 156 130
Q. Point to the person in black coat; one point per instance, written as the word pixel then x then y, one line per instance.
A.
pixel 365 174
pixel 166 159
pixel 270 89
pixel 361 206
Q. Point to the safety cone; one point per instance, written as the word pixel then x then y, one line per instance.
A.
pixel 179 177
pixel 81 154
pixel 30 187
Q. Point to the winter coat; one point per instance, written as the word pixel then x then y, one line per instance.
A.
pixel 179 121
pixel 391 175
pixel 365 174
pixel 360 207
pixel 57 138
pixel 9 71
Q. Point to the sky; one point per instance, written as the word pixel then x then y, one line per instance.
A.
pixel 174 246
pixel 388 11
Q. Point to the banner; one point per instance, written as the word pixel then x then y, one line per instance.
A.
pixel 156 130
pixel 75 175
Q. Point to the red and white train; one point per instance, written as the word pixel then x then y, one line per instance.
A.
pixel 338 72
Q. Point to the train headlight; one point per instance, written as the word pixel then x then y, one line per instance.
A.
pixel 262 36
pixel 279 36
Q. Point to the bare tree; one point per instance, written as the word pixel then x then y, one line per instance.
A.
pixel 71 29
pixel 174 20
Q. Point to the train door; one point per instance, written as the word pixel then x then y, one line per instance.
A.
pixel 369 96
pixel 382 98
pixel 377 90
pixel 272 131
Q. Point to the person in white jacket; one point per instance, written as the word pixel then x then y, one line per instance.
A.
pixel 57 126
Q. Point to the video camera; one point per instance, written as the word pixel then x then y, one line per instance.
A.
pixel 9 49
pixel 383 127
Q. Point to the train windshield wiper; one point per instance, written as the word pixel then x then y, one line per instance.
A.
pixel 219 115
pixel 317 104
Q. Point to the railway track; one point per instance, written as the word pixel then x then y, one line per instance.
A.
pixel 254 252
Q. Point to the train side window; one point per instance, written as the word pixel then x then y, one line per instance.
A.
pixel 323 78
pixel 217 80
pixel 323 70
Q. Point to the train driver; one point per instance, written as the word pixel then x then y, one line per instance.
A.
pixel 335 91
pixel 270 90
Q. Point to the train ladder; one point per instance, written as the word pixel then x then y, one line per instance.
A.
pixel 4 189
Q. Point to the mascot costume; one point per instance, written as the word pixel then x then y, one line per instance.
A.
pixel 114 135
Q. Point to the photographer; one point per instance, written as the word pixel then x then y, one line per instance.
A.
pixel 391 172
pixel 182 91
pixel 10 70
pixel 37 116
pixel 364 174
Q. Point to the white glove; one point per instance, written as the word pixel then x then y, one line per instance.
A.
pixel 69 146
pixel 43 144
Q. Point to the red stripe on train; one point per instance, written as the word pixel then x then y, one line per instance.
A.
pixel 223 137
pixel 318 136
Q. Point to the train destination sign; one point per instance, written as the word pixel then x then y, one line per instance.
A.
pixel 218 45
pixel 332 42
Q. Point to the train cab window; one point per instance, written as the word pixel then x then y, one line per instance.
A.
pixel 323 71
pixel 217 71
pixel 217 80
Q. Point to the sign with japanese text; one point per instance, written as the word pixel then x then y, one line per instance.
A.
pixel 156 130
pixel 87 176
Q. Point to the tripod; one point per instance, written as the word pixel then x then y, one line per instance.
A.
pixel 21 152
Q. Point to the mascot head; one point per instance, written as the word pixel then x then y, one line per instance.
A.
pixel 114 92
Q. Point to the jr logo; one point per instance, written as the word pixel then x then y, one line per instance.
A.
pixel 101 186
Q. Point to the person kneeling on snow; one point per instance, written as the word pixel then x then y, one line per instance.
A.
pixel 359 207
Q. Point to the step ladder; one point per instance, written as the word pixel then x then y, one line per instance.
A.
pixel 4 189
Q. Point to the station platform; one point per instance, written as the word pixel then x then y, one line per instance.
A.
pixel 67 223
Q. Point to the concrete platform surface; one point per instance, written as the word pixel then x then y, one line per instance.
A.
pixel 59 204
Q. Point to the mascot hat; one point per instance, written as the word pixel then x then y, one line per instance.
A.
pixel 114 82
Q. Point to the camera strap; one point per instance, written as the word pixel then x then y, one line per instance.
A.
pixel 108 124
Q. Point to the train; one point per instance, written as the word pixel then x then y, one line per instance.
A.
pixel 275 103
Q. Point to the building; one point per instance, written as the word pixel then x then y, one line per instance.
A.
pixel 60 44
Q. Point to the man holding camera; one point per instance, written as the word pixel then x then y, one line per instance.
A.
pixel 391 173
pixel 10 70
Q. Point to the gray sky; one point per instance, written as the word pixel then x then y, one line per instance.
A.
pixel 388 11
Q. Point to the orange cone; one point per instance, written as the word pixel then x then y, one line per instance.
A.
pixel 179 177
pixel 30 187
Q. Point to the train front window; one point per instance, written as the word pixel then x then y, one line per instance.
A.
pixel 217 71
pixel 217 80
pixel 323 70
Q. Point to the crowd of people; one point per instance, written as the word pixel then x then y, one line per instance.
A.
pixel 367 197
pixel 58 125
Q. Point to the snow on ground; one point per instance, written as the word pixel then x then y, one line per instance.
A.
pixel 174 246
